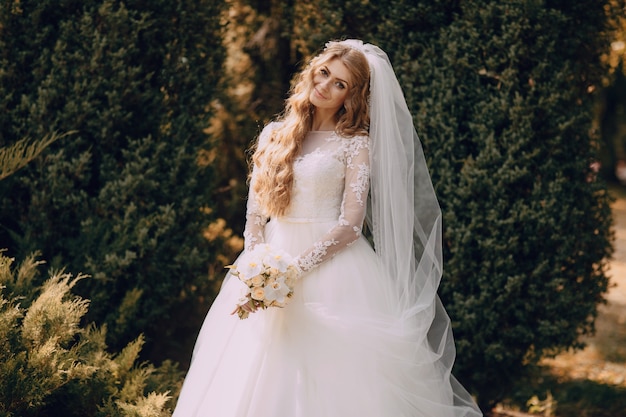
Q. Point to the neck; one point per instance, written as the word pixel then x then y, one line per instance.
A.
pixel 324 120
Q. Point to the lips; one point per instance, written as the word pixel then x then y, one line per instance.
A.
pixel 320 95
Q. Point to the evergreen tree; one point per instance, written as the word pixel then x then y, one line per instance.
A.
pixel 125 199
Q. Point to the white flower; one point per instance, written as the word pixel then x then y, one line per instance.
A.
pixel 258 293
pixel 260 250
pixel 277 291
pixel 292 272
pixel 277 260
pixel 268 276
pixel 249 268
pixel 257 280
pixel 244 296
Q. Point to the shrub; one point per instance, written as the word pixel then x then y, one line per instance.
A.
pixel 51 365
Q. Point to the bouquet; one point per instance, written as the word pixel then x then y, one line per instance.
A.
pixel 269 276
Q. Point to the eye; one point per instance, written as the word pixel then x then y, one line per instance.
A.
pixel 340 85
pixel 324 72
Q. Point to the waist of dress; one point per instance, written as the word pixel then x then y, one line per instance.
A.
pixel 293 219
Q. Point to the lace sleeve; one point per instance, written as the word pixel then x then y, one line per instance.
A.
pixel 253 232
pixel 348 227
pixel 255 220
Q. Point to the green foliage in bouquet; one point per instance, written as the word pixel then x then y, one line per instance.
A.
pixel 52 365
pixel 127 196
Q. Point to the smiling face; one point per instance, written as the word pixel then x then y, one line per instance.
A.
pixel 331 85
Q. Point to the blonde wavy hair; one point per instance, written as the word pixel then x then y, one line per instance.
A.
pixel 274 158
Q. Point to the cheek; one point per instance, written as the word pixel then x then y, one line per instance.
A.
pixel 342 96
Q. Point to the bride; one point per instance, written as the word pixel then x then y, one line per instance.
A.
pixel 364 333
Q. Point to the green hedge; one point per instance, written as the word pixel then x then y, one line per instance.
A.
pixel 124 199
pixel 504 106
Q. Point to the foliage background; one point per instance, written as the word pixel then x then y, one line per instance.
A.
pixel 126 197
pixel 166 96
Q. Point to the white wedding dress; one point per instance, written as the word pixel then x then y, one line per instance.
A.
pixel 336 350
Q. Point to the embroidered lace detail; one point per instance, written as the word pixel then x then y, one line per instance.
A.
pixel 353 147
pixel 301 158
pixel 332 137
pixel 342 219
pixel 316 256
pixel 331 181
pixel 251 240
pixel 354 156
pixel 255 220
pixel 361 184
pixel 319 177
pixel 255 224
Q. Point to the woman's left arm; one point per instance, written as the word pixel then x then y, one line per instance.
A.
pixel 350 222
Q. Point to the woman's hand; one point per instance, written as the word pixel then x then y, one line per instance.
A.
pixel 247 308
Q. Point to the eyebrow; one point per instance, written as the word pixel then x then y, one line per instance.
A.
pixel 338 79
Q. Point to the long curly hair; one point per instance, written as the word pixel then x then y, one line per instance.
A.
pixel 273 159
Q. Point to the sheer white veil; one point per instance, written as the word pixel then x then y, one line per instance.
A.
pixel 403 212
pixel 405 220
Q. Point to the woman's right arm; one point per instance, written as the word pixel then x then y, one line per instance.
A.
pixel 253 232
pixel 255 220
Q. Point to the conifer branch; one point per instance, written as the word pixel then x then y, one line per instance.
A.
pixel 18 155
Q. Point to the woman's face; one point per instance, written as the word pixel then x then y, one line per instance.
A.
pixel 331 83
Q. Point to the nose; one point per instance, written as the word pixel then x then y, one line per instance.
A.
pixel 324 84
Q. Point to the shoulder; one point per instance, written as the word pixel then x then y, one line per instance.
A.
pixel 355 147
pixel 267 132
pixel 356 142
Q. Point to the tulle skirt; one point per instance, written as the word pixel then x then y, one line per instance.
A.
pixel 335 350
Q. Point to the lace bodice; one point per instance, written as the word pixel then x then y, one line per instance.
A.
pixel 331 182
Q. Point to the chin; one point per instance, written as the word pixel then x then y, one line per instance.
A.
pixel 313 99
